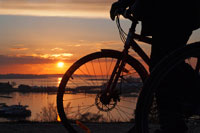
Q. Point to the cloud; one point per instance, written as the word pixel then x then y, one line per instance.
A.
pixel 61 56
pixel 19 59
pixel 55 1
pixel 66 54
pixel 18 49
pixel 11 60
pixel 72 8
pixel 56 49
pixel 58 56
pixel 92 1
pixel 39 49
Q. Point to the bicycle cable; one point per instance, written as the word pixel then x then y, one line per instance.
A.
pixel 122 33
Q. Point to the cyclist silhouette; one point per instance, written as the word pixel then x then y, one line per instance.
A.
pixel 170 23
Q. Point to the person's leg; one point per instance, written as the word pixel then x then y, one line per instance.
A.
pixel 169 92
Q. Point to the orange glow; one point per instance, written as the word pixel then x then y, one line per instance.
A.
pixel 34 69
pixel 60 64
pixel 58 118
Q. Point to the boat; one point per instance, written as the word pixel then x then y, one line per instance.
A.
pixel 19 111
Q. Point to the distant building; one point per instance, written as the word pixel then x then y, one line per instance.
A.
pixel 5 85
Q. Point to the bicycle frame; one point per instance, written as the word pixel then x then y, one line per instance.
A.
pixel 130 42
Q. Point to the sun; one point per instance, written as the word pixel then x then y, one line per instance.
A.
pixel 60 64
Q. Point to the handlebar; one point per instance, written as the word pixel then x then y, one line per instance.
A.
pixel 126 14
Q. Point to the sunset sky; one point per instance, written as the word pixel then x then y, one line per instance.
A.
pixel 37 34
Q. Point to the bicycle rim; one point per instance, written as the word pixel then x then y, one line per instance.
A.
pixel 80 96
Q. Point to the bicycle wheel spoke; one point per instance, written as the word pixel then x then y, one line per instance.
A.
pixel 128 118
pixel 110 66
pixel 108 116
pixel 86 110
pixel 80 106
pixel 111 114
pixel 81 109
pixel 98 112
pixel 106 68
pixel 101 71
pixel 88 71
pixel 125 107
pixel 94 72
pixel 127 101
pixel 125 112
pixel 120 114
pixel 73 82
pixel 82 78
pixel 76 98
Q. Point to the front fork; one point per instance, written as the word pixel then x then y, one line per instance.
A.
pixel 116 72
pixel 119 66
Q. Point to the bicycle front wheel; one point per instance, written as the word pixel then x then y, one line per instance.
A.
pixel 80 98
pixel 186 62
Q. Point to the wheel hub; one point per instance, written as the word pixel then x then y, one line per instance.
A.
pixel 105 98
pixel 105 102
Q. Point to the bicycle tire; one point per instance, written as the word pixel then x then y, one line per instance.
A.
pixel 157 75
pixel 113 55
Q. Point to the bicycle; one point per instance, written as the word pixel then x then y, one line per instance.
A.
pixel 106 84
pixel 111 81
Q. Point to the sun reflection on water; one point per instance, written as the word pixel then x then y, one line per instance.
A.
pixel 59 80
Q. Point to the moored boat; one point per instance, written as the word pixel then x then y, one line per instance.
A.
pixel 14 110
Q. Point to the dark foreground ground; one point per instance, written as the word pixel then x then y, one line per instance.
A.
pixel 32 127
pixel 58 128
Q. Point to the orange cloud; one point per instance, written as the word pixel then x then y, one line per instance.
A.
pixel 77 8
pixel 56 49
pixel 61 56
pixel 18 49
